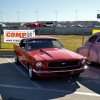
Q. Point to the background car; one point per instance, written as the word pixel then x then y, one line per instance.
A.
pixel 34 24
pixel 2 25
pixel 48 24
pixel 91 48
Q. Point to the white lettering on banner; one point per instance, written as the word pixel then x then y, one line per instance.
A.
pixel 17 35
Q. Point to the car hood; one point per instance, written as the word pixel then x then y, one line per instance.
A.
pixel 54 54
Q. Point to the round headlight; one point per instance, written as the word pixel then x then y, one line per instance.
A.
pixel 39 64
pixel 83 61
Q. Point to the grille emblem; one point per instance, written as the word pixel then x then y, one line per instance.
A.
pixel 63 63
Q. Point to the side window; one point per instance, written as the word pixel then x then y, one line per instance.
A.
pixel 57 44
pixel 98 40
pixel 93 39
pixel 23 44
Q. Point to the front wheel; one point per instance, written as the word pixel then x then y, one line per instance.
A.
pixel 30 73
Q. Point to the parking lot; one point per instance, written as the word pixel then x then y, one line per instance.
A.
pixel 16 85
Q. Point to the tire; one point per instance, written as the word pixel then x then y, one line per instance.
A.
pixel 16 59
pixel 31 74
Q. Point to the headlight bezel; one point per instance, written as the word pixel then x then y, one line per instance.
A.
pixel 39 64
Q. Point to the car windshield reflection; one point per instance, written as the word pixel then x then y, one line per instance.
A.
pixel 43 43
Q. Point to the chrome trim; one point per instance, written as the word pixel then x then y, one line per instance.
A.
pixel 40 72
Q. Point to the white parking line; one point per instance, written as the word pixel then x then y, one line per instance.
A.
pixel 38 87
pixel 50 90
pixel 0 97
pixel 33 82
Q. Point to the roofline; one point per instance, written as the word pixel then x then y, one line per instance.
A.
pixel 40 37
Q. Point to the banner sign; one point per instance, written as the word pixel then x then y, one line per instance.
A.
pixel 95 31
pixel 17 35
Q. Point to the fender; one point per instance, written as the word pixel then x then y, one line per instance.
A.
pixel 93 55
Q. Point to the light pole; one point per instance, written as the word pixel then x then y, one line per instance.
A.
pixel 37 15
pixel 98 15
pixel 18 16
pixel 98 11
pixel 56 15
pixel 1 16
pixel 76 14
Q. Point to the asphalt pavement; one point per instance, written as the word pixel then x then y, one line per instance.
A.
pixel 16 85
pixel 7 54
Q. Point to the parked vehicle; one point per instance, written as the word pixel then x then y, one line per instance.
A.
pixel 91 48
pixel 34 25
pixel 2 25
pixel 48 24
pixel 45 57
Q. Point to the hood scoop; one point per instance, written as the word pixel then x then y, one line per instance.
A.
pixel 42 51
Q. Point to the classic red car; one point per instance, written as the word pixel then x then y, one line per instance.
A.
pixel 45 56
pixel 91 48
pixel 34 25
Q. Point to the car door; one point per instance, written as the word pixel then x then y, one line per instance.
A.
pixel 22 51
pixel 24 56
pixel 95 51
pixel 92 51
pixel 85 50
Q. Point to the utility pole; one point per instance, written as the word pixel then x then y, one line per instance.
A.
pixel 18 16
pixel 1 16
pixel 56 15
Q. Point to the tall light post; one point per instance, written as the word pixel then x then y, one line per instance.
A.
pixel 37 15
pixel 76 14
pixel 18 16
pixel 1 16
pixel 56 15
pixel 98 11
pixel 98 15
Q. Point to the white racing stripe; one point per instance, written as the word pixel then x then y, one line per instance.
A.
pixel 22 72
pixel 50 90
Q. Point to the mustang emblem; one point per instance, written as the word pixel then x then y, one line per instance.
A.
pixel 63 63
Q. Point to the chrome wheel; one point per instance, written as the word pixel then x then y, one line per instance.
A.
pixel 30 72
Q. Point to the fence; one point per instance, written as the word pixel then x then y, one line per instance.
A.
pixel 71 37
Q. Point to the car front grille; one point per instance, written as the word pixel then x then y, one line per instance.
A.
pixel 63 64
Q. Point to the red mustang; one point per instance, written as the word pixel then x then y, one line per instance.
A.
pixel 45 57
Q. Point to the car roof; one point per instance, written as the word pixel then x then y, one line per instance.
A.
pixel 40 37
pixel 98 33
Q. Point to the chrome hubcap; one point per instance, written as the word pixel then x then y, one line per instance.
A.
pixel 30 71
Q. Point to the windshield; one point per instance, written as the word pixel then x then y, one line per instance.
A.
pixel 43 43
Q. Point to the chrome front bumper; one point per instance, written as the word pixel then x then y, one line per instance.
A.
pixel 58 71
